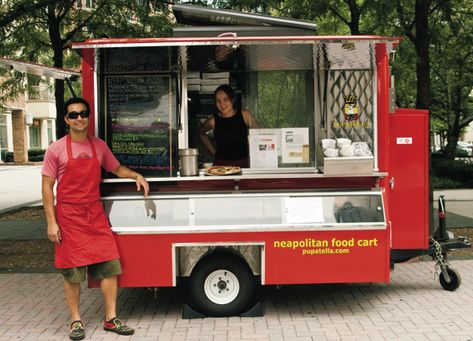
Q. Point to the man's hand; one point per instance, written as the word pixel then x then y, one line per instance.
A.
pixel 54 234
pixel 141 182
pixel 125 172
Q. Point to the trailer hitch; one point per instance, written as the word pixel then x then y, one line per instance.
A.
pixel 439 260
pixel 440 243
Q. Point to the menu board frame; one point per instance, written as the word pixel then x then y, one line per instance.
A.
pixel 149 95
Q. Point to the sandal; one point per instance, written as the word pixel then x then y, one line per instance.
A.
pixel 77 330
pixel 117 326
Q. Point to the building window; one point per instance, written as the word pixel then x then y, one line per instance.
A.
pixel 3 137
pixel 35 135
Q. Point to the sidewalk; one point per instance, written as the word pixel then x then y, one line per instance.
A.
pixel 20 186
pixel 455 194
pixel 459 204
pixel 412 307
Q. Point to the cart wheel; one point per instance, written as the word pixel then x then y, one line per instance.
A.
pixel 222 285
pixel 455 280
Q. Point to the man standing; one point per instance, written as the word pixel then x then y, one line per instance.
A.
pixel 78 224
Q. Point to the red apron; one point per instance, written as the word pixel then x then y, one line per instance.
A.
pixel 86 236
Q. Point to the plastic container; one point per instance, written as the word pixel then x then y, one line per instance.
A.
pixel 188 161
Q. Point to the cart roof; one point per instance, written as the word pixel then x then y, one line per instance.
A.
pixel 40 69
pixel 200 15
pixel 391 42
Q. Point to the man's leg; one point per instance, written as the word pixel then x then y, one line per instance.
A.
pixel 109 291
pixel 72 293
pixel 112 322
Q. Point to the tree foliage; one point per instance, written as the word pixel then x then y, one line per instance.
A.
pixel 433 66
pixel 452 70
pixel 43 30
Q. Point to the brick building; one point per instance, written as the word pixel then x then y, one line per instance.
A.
pixel 27 123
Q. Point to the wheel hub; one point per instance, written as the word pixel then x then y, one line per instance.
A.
pixel 221 286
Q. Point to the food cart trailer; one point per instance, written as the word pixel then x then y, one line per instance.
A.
pixel 337 190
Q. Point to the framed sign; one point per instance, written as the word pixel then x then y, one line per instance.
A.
pixel 140 112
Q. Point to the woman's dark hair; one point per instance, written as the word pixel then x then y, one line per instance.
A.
pixel 75 100
pixel 227 90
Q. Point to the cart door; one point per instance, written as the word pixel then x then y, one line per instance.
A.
pixel 409 178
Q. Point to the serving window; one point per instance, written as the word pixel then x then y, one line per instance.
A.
pixel 274 82
pixel 153 99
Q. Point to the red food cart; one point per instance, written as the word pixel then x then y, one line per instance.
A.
pixel 337 190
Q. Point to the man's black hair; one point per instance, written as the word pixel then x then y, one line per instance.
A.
pixel 75 100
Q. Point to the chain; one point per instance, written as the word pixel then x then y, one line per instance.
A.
pixel 439 261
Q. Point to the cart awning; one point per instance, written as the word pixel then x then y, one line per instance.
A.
pixel 391 42
pixel 40 69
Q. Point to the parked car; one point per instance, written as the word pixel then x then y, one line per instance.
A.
pixel 460 152
pixel 468 147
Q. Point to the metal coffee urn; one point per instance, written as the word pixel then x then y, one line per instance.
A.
pixel 188 159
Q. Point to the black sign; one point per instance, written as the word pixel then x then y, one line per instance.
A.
pixel 138 60
pixel 140 122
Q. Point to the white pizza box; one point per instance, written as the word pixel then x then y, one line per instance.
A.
pixel 193 87
pixel 194 81
pixel 209 88
pixel 193 75
pixel 206 75
pixel 215 81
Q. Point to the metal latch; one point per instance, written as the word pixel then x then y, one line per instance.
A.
pixel 391 183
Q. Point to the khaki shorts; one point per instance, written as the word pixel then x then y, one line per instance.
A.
pixel 98 271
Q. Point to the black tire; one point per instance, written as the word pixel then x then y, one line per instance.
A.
pixel 455 280
pixel 222 285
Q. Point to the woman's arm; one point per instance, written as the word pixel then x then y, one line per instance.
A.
pixel 249 120
pixel 204 128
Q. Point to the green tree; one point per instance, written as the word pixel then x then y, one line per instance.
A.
pixel 44 33
pixel 452 70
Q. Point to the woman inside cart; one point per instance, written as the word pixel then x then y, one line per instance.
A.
pixel 230 129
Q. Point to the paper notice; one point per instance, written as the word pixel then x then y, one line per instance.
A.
pixel 295 145
pixel 304 210
pixel 264 146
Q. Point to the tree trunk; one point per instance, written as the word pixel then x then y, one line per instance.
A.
pixel 452 140
pixel 59 95
pixel 355 17
pixel 422 51
pixel 58 59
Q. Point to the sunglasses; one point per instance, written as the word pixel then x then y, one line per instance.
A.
pixel 74 114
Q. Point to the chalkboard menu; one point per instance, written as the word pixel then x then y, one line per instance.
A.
pixel 140 122
pixel 138 60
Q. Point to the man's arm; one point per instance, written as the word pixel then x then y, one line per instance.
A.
pixel 47 185
pixel 125 172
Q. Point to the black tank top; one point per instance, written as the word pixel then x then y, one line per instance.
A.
pixel 231 135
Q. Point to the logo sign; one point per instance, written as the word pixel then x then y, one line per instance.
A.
pixel 350 109
pixel 404 140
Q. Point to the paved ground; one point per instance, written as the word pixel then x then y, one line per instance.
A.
pixel 411 307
